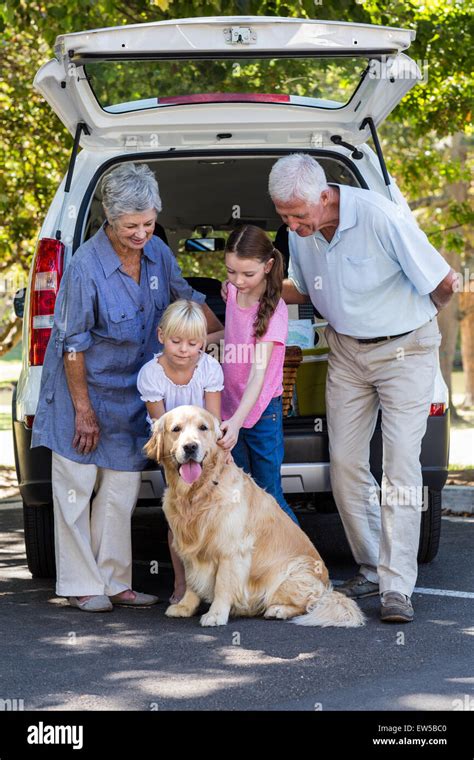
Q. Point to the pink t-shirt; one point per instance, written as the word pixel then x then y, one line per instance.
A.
pixel 241 349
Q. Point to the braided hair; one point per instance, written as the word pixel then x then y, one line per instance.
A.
pixel 251 242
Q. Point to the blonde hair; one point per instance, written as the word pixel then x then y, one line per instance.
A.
pixel 184 319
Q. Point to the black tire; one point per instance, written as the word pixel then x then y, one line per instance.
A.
pixel 430 532
pixel 39 540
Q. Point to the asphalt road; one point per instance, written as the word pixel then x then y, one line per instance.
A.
pixel 55 657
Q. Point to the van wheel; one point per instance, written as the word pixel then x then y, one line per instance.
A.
pixel 430 528
pixel 39 540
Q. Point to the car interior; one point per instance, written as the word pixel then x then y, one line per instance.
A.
pixel 216 194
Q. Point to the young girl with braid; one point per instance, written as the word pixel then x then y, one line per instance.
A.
pixel 256 328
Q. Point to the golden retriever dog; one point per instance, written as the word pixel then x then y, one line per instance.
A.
pixel 241 552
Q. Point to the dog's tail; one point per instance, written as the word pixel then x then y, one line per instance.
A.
pixel 332 609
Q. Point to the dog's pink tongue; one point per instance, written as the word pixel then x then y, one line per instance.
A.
pixel 190 471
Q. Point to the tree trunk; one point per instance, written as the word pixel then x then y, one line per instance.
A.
pixel 466 303
pixel 10 334
pixel 448 320
pixel 460 192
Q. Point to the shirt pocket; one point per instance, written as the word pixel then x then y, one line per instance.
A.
pixel 361 275
pixel 123 323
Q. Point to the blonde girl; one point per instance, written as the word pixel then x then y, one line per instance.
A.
pixel 181 374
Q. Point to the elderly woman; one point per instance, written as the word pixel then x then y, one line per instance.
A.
pixel 90 415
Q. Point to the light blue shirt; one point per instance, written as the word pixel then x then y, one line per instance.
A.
pixel 375 276
pixel 102 312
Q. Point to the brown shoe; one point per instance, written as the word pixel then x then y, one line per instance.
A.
pixel 358 587
pixel 396 608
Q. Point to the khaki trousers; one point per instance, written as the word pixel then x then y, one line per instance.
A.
pixel 396 376
pixel 93 542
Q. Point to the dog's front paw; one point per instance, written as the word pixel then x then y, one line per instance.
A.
pixel 214 618
pixel 179 610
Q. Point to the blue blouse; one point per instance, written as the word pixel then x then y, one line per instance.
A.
pixel 103 312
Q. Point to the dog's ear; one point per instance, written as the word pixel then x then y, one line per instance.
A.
pixel 153 449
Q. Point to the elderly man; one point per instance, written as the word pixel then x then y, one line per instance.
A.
pixel 374 276
pixel 90 415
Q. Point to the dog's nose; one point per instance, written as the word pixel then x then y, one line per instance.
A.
pixel 190 449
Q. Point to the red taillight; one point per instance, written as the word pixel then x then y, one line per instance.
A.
pixel 28 420
pixel 437 410
pixel 48 269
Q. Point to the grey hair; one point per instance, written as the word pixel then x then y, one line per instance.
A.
pixel 297 177
pixel 130 189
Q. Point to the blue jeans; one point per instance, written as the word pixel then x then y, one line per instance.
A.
pixel 259 451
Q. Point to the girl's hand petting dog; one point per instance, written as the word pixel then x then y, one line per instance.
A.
pixel 230 428
pixel 229 459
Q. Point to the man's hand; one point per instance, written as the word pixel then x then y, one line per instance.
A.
pixel 443 293
pixel 87 431
pixel 213 324
pixel 291 294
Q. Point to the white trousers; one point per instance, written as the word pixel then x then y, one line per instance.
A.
pixel 396 376
pixel 93 542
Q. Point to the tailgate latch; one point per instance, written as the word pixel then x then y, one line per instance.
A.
pixel 242 35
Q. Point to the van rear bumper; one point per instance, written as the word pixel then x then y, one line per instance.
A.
pixel 299 474
pixel 33 467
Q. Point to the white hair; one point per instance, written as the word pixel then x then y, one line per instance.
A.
pixel 297 177
pixel 130 189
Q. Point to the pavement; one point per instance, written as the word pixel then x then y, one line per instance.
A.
pixel 59 658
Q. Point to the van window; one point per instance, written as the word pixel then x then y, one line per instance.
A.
pixel 121 86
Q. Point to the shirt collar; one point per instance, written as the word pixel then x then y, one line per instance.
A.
pixel 109 258
pixel 347 214
pixel 347 209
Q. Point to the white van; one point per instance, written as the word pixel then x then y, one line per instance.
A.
pixel 210 104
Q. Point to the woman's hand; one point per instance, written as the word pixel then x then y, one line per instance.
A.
pixel 224 291
pixel 231 429
pixel 87 431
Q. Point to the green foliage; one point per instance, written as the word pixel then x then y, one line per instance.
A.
pixel 332 79
pixel 443 46
pixel 34 147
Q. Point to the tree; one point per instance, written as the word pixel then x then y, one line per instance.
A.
pixel 33 154
pixel 418 140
